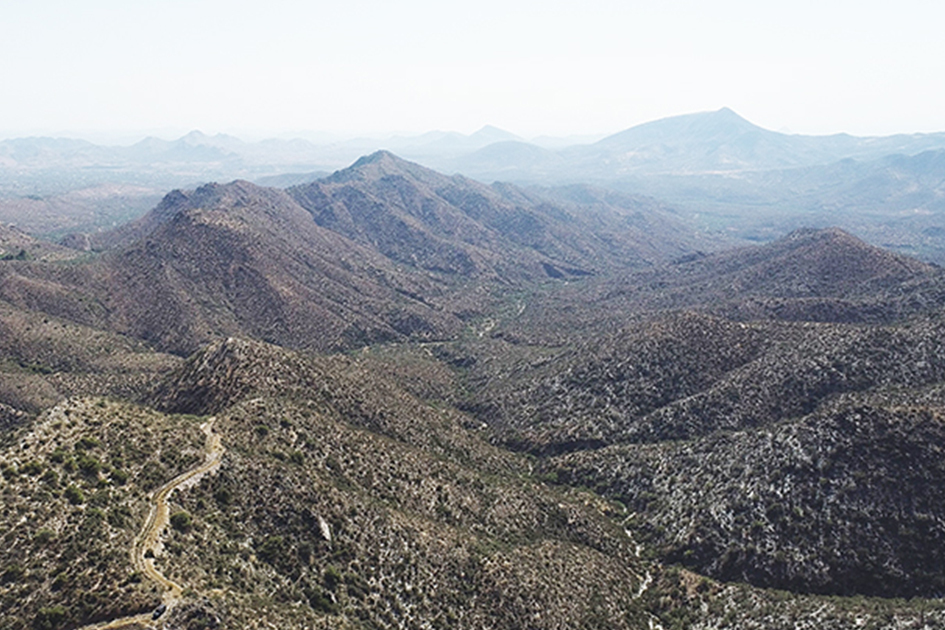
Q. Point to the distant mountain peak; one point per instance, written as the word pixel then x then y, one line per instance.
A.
pixel 195 136
pixel 379 164
pixel 727 111
pixel 713 126
pixel 378 157
pixel 489 134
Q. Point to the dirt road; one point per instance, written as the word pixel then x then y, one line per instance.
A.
pixel 149 538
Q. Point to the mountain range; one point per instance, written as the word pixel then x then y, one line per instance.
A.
pixel 446 404
pixel 721 173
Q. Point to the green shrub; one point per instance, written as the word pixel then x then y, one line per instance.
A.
pixel 89 466
pixel 9 471
pixel 223 496
pixel 181 521
pixel 271 549
pixel 101 498
pixel 86 443
pixel 320 601
pixel 356 586
pixel 332 578
pixel 74 495
pixel 49 618
pixel 13 573
pixel 50 478
pixel 119 516
pixel 32 468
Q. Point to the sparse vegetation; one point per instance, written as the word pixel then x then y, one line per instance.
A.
pixel 770 416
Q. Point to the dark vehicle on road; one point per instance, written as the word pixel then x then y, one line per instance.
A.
pixel 158 611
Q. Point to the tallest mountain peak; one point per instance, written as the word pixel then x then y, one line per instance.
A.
pixel 727 113
pixel 717 126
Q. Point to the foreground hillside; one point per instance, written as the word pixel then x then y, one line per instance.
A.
pixel 364 522
pixel 363 518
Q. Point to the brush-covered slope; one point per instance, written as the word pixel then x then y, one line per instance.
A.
pixel 462 228
pixel 44 360
pixel 332 508
pixel 235 259
pixel 847 500
pixel 808 275
pixel 687 375
pixel 18 245
pixel 239 259
pixel 74 491
pixel 656 411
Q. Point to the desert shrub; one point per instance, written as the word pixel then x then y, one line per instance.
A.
pixel 223 496
pixel 13 573
pixel 320 601
pixel 119 516
pixel 32 468
pixel 181 521
pixel 271 549
pixel 89 466
pixel 49 618
pixel 74 495
pixel 332 578
pixel 50 478
pixel 86 443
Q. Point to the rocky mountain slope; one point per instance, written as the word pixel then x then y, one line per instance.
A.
pixel 235 259
pixel 383 251
pixel 675 399
pixel 844 500
pixel 459 227
pixel 697 427
pixel 46 360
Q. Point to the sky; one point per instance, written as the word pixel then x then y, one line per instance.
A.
pixel 104 69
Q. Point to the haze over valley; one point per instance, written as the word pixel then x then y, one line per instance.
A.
pixel 719 173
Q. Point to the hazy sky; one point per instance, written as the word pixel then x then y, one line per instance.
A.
pixel 355 66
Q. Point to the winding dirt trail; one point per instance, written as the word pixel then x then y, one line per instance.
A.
pixel 149 538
